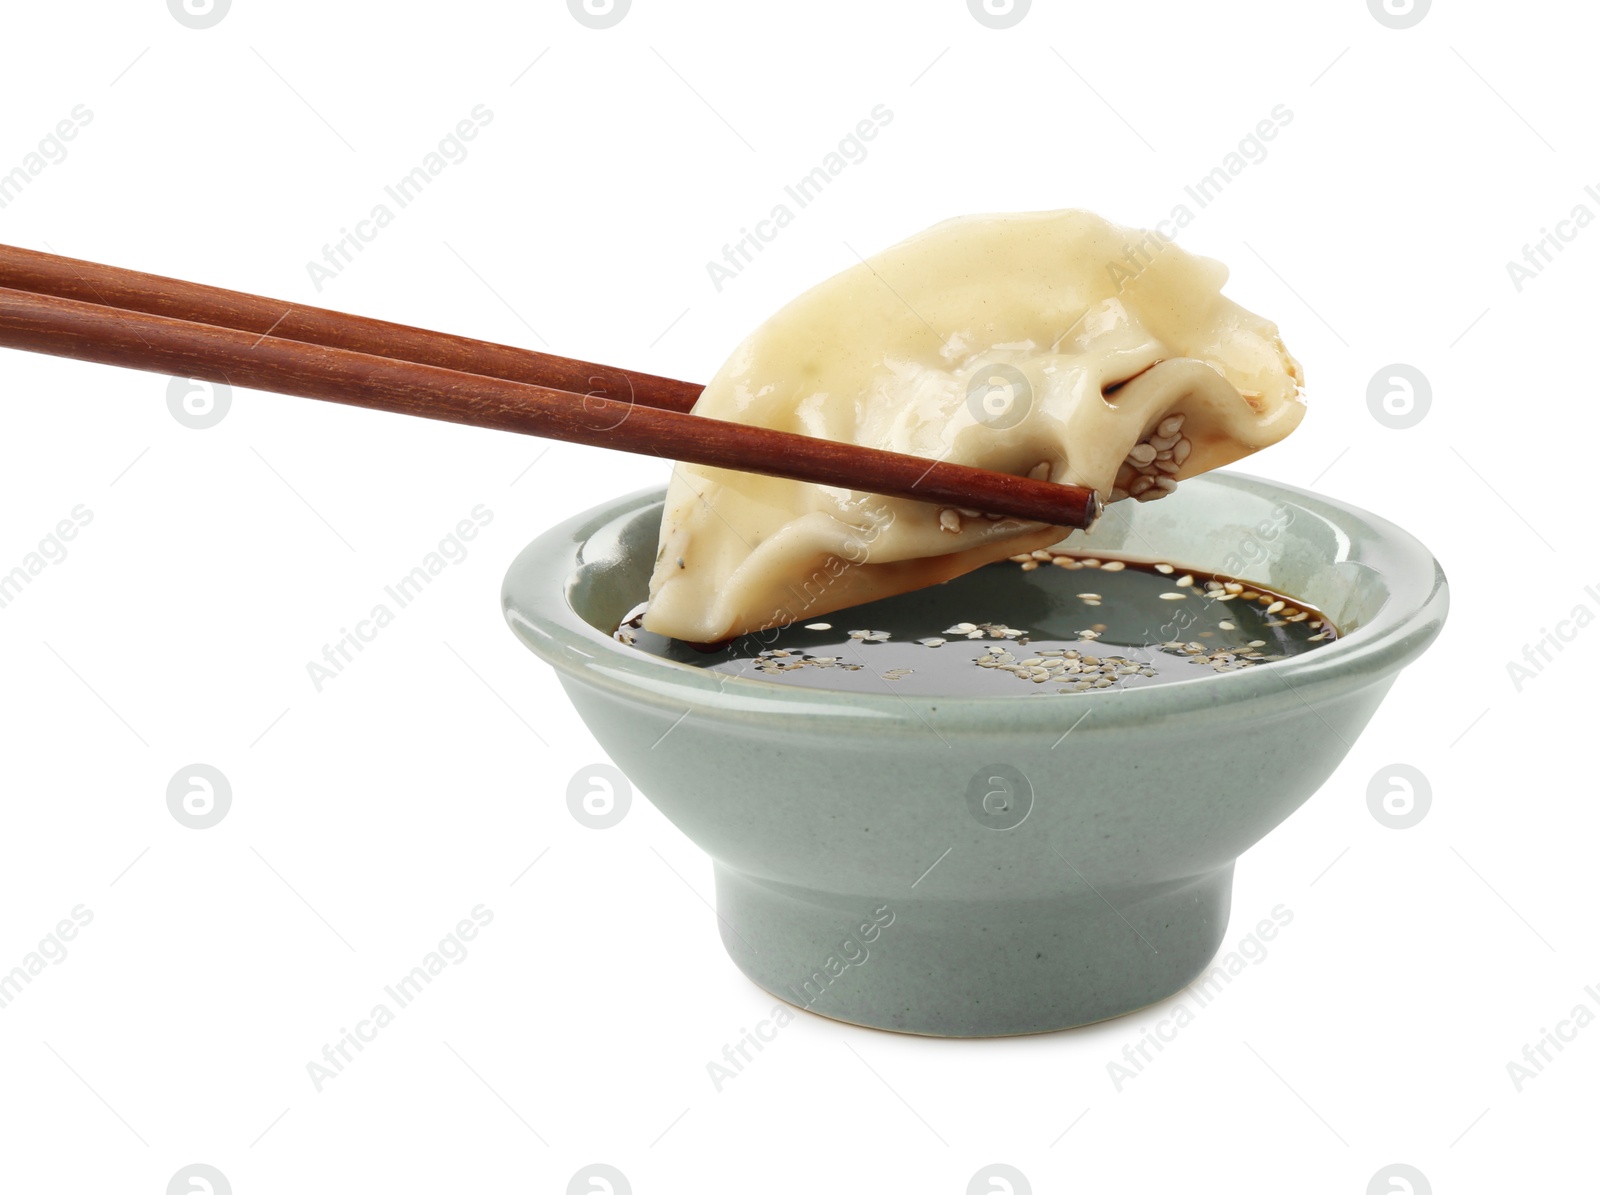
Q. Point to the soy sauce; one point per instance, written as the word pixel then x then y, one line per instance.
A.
pixel 1074 625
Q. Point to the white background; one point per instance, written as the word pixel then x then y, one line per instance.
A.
pixel 370 817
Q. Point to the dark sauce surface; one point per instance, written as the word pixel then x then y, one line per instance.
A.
pixel 1071 627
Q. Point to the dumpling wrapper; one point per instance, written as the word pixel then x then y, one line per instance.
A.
pixel 987 341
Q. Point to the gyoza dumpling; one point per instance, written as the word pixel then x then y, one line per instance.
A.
pixel 987 340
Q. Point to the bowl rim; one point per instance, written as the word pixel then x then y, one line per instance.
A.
pixel 536 604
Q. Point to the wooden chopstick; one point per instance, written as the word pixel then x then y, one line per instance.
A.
pixel 87 331
pixel 111 286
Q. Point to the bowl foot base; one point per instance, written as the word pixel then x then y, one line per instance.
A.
pixel 1024 966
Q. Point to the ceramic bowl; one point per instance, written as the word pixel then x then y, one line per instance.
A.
pixel 956 866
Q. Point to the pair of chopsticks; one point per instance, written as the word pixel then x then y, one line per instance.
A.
pixel 91 312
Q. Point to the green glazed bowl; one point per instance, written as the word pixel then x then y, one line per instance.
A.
pixel 983 866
